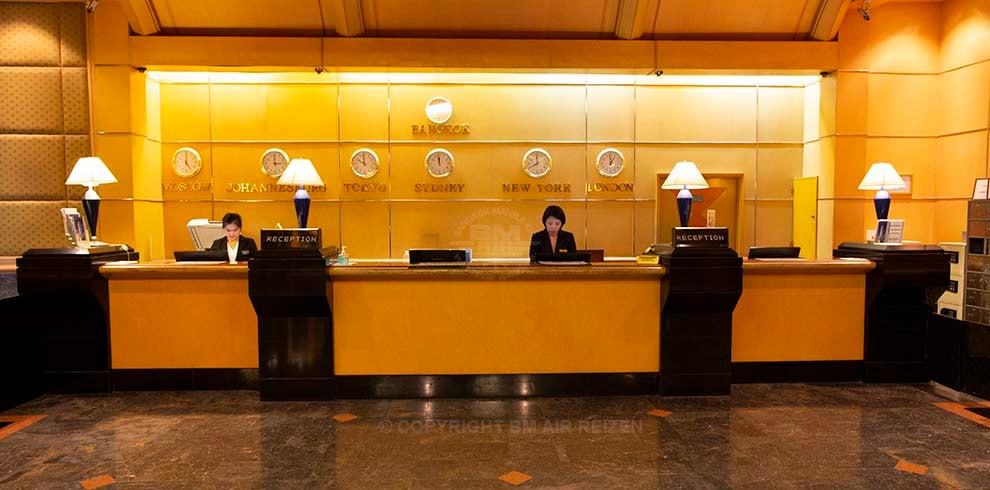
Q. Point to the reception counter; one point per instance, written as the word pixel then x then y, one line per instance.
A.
pixel 800 320
pixel 181 326
pixel 493 328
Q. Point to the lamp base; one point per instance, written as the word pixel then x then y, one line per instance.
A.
pixel 91 205
pixel 302 201
pixel 882 204
pixel 684 200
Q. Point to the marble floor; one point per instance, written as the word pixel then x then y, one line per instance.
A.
pixel 763 436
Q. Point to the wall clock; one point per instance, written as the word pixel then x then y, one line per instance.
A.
pixel 537 162
pixel 439 162
pixel 186 162
pixel 439 110
pixel 610 162
pixel 364 163
pixel 274 162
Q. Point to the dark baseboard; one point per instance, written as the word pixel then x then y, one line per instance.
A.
pixel 797 372
pixel 895 372
pixel 296 389
pixel 184 379
pixel 77 381
pixel 496 385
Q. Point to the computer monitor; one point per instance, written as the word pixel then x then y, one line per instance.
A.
pixel 774 252
pixel 204 232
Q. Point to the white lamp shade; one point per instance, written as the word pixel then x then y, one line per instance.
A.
pixel 881 176
pixel 685 175
pixel 300 172
pixel 90 171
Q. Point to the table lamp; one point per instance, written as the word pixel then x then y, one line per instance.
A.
pixel 301 172
pixel 880 178
pixel 684 176
pixel 90 172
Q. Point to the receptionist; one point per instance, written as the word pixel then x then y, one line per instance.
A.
pixel 237 246
pixel 552 239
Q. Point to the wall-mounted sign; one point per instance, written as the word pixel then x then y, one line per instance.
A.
pixel 366 187
pixel 529 187
pixel 438 111
pixel 250 187
pixel 438 187
pixel 610 187
pixel 187 186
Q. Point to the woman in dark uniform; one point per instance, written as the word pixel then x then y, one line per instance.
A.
pixel 238 247
pixel 552 239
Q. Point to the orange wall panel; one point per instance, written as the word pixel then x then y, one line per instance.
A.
pixel 904 37
pixel 964 96
pixel 961 159
pixel 778 109
pixel 889 115
pixel 610 227
pixel 910 156
pixel 611 113
pixel 852 92
pixel 493 112
pixel 293 112
pixel 363 112
pixel 185 112
pixel 950 220
pixel 672 114
pixel 965 33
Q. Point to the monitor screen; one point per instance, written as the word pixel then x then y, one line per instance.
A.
pixel 203 232
pixel 774 252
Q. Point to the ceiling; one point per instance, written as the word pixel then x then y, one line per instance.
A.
pixel 777 20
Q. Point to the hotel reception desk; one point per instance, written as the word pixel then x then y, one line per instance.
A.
pixel 493 328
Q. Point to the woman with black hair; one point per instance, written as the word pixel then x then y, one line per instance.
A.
pixel 552 239
pixel 238 247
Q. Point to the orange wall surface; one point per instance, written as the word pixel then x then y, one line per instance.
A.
pixel 914 90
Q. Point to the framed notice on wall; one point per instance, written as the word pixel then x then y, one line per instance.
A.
pixel 980 188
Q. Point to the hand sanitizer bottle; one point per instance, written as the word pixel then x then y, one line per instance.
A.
pixel 343 258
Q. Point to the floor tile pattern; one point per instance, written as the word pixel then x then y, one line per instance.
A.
pixel 763 436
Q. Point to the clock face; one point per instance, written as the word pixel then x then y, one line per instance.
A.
pixel 439 162
pixel 536 162
pixel 439 110
pixel 186 162
pixel 274 162
pixel 364 163
pixel 610 162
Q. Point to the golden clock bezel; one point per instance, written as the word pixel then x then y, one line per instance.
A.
pixel 195 153
pixel 274 150
pixel 549 162
pixel 426 109
pixel 426 162
pixel 598 162
pixel 374 155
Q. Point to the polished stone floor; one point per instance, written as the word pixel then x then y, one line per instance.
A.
pixel 763 436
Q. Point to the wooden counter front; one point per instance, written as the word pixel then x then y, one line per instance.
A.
pixel 177 315
pixel 495 318
pixel 800 310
